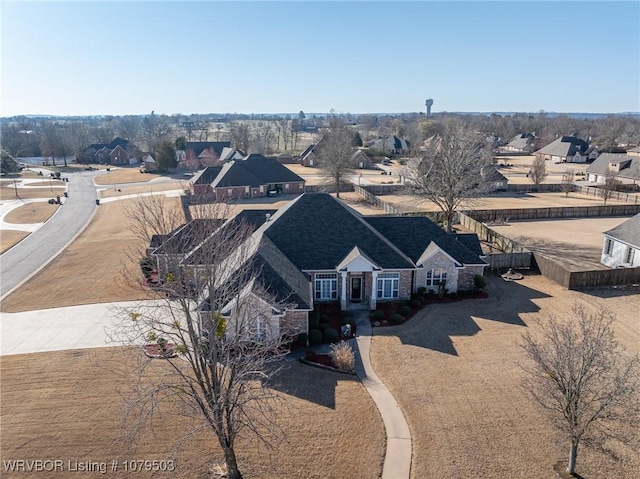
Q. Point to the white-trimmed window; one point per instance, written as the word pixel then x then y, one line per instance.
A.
pixel 388 285
pixel 608 246
pixel 628 256
pixel 436 277
pixel 326 285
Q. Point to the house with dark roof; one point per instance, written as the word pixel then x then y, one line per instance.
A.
pixel 253 176
pixel 567 149
pixel 117 152
pixel 624 168
pixel 621 247
pixel 391 145
pixel 308 157
pixel 197 154
pixel 361 160
pixel 495 178
pixel 523 143
pixel 316 249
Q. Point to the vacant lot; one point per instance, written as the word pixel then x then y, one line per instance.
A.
pixel 132 190
pixel 454 370
pixel 67 407
pixel 90 270
pixel 36 212
pixel 578 241
pixel 123 175
pixel 8 238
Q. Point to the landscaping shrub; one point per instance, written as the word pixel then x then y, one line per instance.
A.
pixel 324 318
pixel 396 318
pixel 422 290
pixel 315 336
pixel 342 356
pixel 479 282
pixel 330 335
pixel 323 326
pixel 415 304
pixel 377 316
pixel 314 320
pixel 347 314
pixel 405 310
pixel 302 338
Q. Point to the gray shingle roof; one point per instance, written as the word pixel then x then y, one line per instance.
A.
pixel 628 232
pixel 316 232
pixel 521 141
pixel 189 236
pixel 199 146
pixel 565 146
pixel 254 170
pixel 206 176
pixel 413 234
pixel 600 164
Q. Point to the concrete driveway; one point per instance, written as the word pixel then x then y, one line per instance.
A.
pixel 27 257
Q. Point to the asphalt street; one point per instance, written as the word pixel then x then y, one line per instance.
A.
pixel 37 249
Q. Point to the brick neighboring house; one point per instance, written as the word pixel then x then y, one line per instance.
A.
pixel 308 157
pixel 252 177
pixel 316 249
pixel 568 149
pixel 625 168
pixel 361 160
pixel 197 154
pixel 117 152
pixel 621 247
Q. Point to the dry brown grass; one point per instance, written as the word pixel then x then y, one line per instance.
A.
pixel 454 371
pixel 9 193
pixel 60 405
pixel 123 175
pixel 121 191
pixel 8 238
pixel 89 270
pixel 31 213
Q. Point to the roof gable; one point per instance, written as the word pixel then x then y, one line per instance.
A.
pixel 432 250
pixel 357 260
pixel 628 232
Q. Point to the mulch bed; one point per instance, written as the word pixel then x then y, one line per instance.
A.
pixel 323 361
pixel 153 351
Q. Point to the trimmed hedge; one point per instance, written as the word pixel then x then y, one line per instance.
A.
pixel 415 303
pixel 396 318
pixel 404 311
pixel 315 336
pixel 324 326
pixel 377 315
pixel 330 335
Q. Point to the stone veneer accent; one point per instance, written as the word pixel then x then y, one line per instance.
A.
pixel 439 260
pixel 465 277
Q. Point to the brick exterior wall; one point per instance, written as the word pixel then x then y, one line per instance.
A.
pixel 465 277
pixel 295 322
pixel 439 260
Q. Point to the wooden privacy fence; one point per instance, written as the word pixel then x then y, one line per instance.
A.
pixel 547 213
pixel 374 200
pixel 555 271
pixel 614 195
pixel 508 260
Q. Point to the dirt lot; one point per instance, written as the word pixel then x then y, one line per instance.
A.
pixel 8 238
pixel 502 201
pixel 454 371
pixel 578 241
pixel 131 190
pixel 60 405
pixel 123 175
pixel 31 213
pixel 88 271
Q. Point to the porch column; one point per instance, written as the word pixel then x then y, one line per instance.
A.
pixel 374 289
pixel 343 290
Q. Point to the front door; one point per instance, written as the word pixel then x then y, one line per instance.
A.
pixel 356 289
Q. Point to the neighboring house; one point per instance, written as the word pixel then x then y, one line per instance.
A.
pixel 287 159
pixel 316 249
pixel 361 160
pixel 634 151
pixel 252 177
pixel 117 152
pixel 392 145
pixel 308 156
pixel 523 143
pixel 497 179
pixel 625 168
pixel 622 245
pixel 229 154
pixel 569 149
pixel 197 154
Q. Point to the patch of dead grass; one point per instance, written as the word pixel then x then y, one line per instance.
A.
pixel 9 238
pixel 9 193
pixel 121 191
pixel 62 405
pixel 37 212
pixel 90 270
pixel 123 175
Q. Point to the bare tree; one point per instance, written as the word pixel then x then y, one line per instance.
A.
pixel 155 130
pixel 213 324
pixel 263 138
pixel 582 379
pixel 568 177
pixel 240 136
pixel 14 139
pixel 450 172
pixel 283 130
pixel 609 186
pixel 538 171
pixel 59 140
pixel 334 152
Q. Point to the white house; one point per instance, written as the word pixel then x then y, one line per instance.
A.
pixel 622 245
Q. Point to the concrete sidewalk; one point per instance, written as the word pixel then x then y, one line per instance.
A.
pixel 397 459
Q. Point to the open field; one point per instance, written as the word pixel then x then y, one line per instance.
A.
pixel 8 238
pixel 36 212
pixel 43 191
pixel 577 241
pixel 131 190
pixel 454 371
pixel 65 405
pixel 504 200
pixel 123 175
pixel 89 270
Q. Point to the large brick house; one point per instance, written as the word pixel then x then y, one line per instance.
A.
pixel 252 177
pixel 316 249
pixel 117 152
pixel 568 149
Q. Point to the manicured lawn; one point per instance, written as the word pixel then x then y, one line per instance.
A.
pixel 31 213
pixel 123 175
pixel 8 238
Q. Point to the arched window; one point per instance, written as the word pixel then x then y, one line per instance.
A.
pixel 436 277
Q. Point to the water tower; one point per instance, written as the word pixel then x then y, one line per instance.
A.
pixel 429 104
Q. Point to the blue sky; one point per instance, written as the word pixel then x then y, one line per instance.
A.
pixel 78 58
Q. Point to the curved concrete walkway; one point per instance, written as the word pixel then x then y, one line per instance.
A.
pixel 397 459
